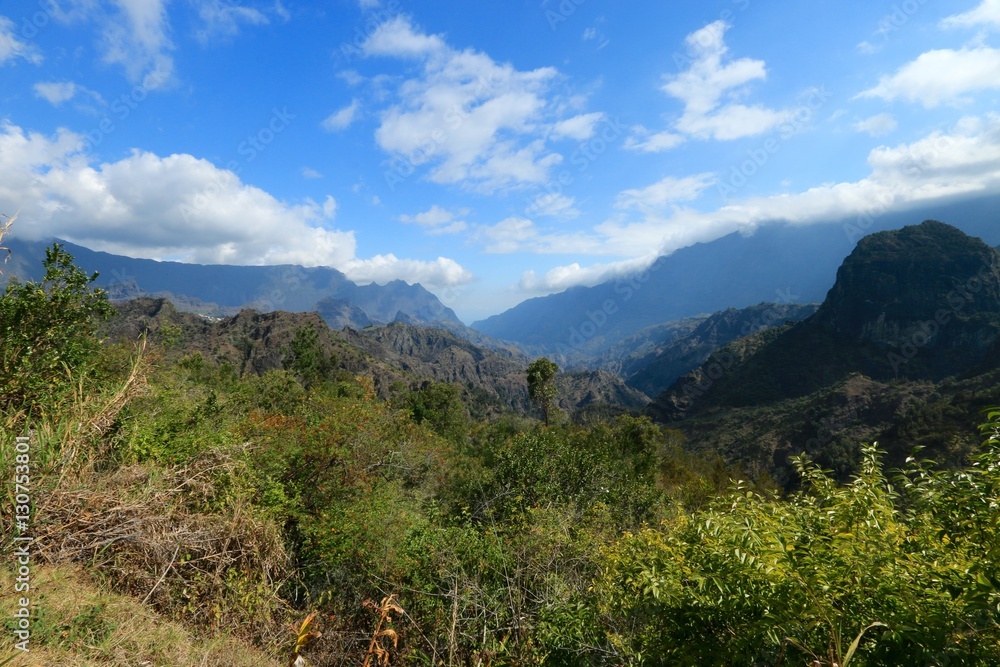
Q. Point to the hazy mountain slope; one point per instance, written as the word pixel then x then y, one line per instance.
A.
pixel 690 351
pixel 264 288
pixel 778 262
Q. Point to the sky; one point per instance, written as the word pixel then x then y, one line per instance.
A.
pixel 492 151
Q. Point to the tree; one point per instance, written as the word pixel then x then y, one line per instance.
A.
pixel 48 331
pixel 305 357
pixel 439 404
pixel 540 386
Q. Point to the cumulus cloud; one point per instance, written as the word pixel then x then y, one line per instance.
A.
pixel 517 234
pixel 709 89
pixel 342 118
pixel 580 127
pixel 470 120
pixel 189 209
pixel 941 76
pixel 12 48
pixel 437 220
pixel 666 191
pixel 642 140
pixel 876 126
pixel 553 205
pixel 442 272
pixel 399 38
pixel 563 277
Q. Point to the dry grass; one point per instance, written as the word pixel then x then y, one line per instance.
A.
pixel 75 624
pixel 147 533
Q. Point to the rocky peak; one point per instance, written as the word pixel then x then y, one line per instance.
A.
pixel 897 280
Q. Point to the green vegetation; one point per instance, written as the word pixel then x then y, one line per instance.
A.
pixel 185 513
pixel 540 386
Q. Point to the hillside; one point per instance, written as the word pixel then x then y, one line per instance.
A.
pixel 687 352
pixel 910 309
pixel 396 356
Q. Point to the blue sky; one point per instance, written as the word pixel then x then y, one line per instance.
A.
pixel 492 151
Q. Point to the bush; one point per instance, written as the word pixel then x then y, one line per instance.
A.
pixel 47 333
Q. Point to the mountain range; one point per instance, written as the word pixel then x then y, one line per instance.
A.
pixel 781 262
pixel 220 290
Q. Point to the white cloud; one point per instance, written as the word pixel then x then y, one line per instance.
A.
pixel 309 172
pixel 437 220
pixel 878 125
pixel 709 89
pixel 398 38
pixel 342 118
pixel 642 140
pixel 11 47
pixel 56 92
pixel 580 127
pixel 470 120
pixel 516 234
pixel 554 205
pixel 941 77
pixel 224 19
pixel 571 275
pixel 665 192
pixel 329 207
pixel 136 38
pixel 442 272
pixel 181 207
pixel 987 13
pixel 940 166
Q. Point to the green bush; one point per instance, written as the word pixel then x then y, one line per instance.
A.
pixel 48 333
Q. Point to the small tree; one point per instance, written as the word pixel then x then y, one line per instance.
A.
pixel 48 331
pixel 540 386
pixel 305 356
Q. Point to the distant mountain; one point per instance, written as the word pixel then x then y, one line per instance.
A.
pixel 913 320
pixel 688 352
pixel 778 262
pixel 220 290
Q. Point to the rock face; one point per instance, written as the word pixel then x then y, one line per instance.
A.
pixel 927 280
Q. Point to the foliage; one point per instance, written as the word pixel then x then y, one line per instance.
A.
pixel 540 386
pixel 305 357
pixel 47 333
pixel 909 572
pixel 236 502
pixel 440 406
